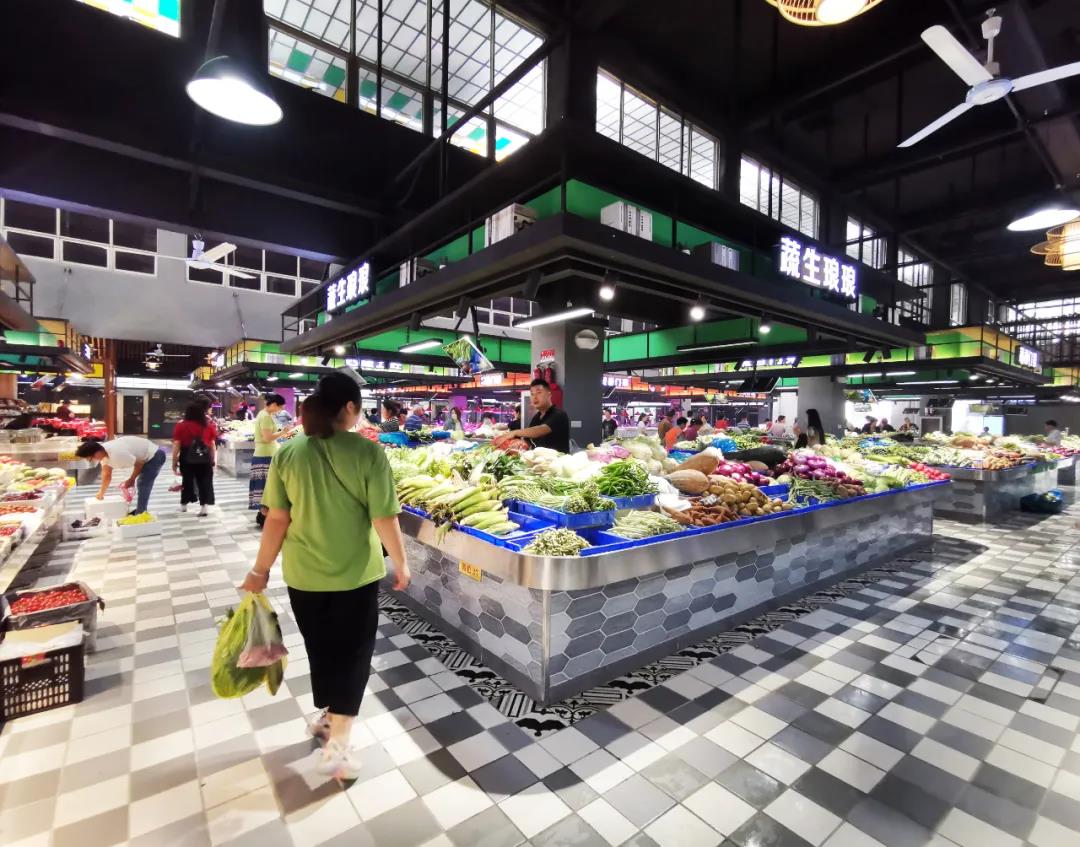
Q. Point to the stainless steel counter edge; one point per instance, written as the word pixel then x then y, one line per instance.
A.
pixel 557 573
pixel 982 475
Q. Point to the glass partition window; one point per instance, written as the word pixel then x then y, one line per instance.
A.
pixel 958 303
pixel 771 194
pixel 310 43
pixel 918 274
pixel 78 238
pixel 864 245
pixel 162 15
pixel 647 127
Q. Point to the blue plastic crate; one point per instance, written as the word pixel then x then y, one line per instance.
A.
pixel 528 527
pixel 413 510
pixel 780 490
pixel 565 519
pixel 641 501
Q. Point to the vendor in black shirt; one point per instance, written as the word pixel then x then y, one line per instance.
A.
pixel 608 426
pixel 550 427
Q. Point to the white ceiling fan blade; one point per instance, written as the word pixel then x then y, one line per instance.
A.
pixel 955 55
pixel 219 252
pixel 1043 77
pixel 950 115
pixel 225 269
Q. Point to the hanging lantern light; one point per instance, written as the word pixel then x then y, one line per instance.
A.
pixel 1061 248
pixel 821 12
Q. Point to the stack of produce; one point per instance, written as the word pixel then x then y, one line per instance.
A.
pixel 805 464
pixel 743 472
pixel 133 520
pixel 557 494
pixel 746 499
pixel 999 463
pixel 448 502
pixel 930 473
pixel 39 601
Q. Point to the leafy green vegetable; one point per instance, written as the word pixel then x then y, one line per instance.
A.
pixel 557 542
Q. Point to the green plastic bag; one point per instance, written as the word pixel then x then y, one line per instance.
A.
pixel 227 679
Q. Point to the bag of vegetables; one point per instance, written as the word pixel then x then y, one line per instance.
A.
pixel 228 677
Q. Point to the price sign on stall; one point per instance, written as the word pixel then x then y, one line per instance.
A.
pixel 471 571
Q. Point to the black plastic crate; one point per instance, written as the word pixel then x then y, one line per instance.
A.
pixel 44 681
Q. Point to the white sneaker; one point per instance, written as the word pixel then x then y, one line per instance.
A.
pixel 203 512
pixel 319 726
pixel 341 762
pixel 183 507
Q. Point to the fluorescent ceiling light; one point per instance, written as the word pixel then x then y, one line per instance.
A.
pixel 1045 218
pixel 838 11
pixel 865 375
pixel 296 376
pixel 417 346
pixel 932 382
pixel 903 373
pixel 271 379
pixel 224 87
pixel 554 317
pixel 727 345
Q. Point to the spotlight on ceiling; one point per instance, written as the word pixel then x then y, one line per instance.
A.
pixel 697 311
pixel 1045 217
pixel 607 288
pixel 764 328
pixel 339 349
pixel 227 88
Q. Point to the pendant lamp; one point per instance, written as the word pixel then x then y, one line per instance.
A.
pixel 821 12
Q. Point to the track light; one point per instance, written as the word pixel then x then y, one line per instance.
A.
pixel 339 350
pixel 326 360
pixel 417 346
pixel 554 317
pixel 764 328
pixel 607 289
pixel 697 311
pixel 869 357
pixel 886 353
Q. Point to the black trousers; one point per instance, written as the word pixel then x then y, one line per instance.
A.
pixel 197 478
pixel 339 630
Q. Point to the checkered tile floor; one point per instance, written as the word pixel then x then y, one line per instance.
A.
pixel 937 705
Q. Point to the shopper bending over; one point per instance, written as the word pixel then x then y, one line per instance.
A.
pixel 331 500
pixel 143 456
pixel 194 456
pixel 267 433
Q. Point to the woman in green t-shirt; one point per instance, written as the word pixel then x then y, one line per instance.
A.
pixel 332 511
pixel 267 433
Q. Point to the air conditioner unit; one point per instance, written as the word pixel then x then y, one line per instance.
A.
pixel 413 269
pixel 627 218
pixel 718 254
pixel 506 222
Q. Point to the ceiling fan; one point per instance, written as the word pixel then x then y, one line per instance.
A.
pixel 159 353
pixel 209 259
pixel 985 85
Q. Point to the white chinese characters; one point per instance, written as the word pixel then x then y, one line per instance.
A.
pixel 355 285
pixel 806 264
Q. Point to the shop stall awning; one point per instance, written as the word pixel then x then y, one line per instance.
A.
pixel 564 248
pixel 241 372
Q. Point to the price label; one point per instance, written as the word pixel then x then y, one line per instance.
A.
pixel 471 571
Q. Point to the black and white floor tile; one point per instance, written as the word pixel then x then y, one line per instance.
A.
pixel 932 702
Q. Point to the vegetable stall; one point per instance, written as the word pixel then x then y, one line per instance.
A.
pixel 564 571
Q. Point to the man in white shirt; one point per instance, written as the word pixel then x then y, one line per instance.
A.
pixel 1053 434
pixel 143 456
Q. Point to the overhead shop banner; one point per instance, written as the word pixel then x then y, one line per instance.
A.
pixel 806 263
pixel 349 288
